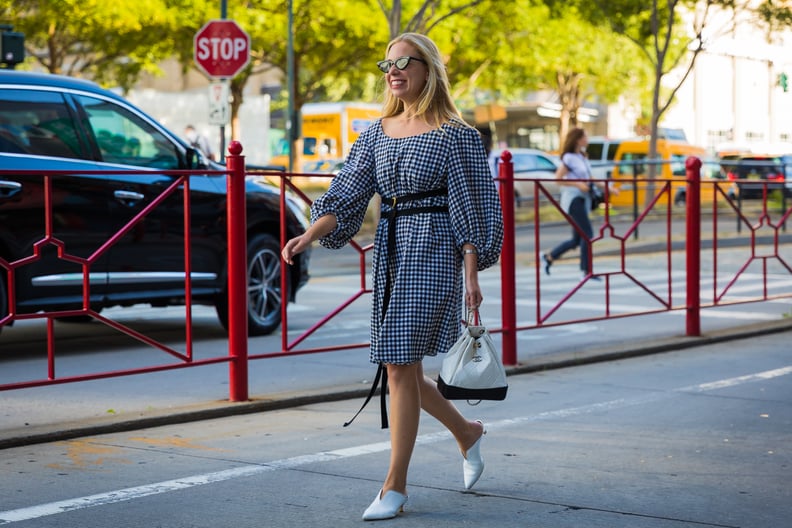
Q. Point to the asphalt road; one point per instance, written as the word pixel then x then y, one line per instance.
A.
pixel 689 439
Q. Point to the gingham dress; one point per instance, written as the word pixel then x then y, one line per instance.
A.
pixel 426 300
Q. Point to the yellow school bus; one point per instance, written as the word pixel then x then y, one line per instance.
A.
pixel 632 166
pixel 328 131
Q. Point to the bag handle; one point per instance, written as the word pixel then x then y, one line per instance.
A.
pixel 473 317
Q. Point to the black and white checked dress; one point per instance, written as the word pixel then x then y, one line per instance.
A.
pixel 426 301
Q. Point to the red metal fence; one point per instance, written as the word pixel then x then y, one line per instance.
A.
pixel 616 236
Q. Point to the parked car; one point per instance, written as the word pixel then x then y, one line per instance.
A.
pixel 50 122
pixel 786 163
pixel 745 169
pixel 534 164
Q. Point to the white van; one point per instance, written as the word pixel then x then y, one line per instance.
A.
pixel 601 152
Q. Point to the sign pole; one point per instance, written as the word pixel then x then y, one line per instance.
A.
pixel 223 15
pixel 222 49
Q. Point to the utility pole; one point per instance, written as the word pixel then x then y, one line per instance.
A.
pixel 292 123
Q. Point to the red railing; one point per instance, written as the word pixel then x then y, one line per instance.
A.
pixel 610 232
pixel 237 240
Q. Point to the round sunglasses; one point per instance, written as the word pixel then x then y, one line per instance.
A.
pixel 401 63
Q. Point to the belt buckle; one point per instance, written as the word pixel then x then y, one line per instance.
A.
pixel 393 205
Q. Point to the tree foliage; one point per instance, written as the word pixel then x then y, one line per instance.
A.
pixel 496 51
pixel 109 42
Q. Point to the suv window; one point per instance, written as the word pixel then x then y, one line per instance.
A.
pixel 630 164
pixel 37 123
pixel 594 151
pixel 678 164
pixel 122 137
pixel 545 164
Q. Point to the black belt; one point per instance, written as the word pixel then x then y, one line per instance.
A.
pixel 390 216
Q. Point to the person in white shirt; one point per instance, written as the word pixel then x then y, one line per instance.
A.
pixel 574 178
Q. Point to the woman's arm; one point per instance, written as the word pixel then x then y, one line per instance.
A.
pixel 473 295
pixel 323 226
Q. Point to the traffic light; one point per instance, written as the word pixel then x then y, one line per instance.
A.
pixel 12 46
pixel 783 81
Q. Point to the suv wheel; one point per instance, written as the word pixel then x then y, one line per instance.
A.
pixel 263 287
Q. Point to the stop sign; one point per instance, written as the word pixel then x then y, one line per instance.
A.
pixel 221 48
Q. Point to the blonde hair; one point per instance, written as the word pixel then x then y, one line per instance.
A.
pixel 434 105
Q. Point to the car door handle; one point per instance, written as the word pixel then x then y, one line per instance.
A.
pixel 128 198
pixel 9 188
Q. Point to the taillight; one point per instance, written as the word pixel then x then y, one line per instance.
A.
pixel 776 177
pixel 731 176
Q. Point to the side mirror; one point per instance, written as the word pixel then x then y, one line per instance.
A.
pixel 195 159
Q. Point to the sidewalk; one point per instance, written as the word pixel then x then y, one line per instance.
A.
pixel 152 414
pixel 46 421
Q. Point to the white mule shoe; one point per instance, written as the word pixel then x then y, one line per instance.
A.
pixel 385 506
pixel 473 465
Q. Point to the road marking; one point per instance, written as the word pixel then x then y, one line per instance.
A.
pixel 633 308
pixel 127 494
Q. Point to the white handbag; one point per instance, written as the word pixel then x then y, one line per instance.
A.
pixel 472 370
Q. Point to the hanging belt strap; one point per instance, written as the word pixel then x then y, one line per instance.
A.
pixel 391 215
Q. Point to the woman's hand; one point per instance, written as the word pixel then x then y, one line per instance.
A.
pixel 473 295
pixel 318 229
pixel 295 246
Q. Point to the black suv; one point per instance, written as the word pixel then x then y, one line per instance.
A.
pixel 50 122
pixel 745 169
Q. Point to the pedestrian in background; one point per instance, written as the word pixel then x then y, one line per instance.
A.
pixel 441 224
pixel 199 141
pixel 574 178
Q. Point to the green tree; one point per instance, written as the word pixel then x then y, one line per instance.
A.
pixel 500 51
pixel 583 62
pixel 109 42
pixel 668 41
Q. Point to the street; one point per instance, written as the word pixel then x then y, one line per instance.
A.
pixel 696 438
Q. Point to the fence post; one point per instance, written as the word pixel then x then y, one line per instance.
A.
pixel 237 273
pixel 508 275
pixel 693 246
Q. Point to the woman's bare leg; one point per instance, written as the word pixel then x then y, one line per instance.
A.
pixel 466 432
pixel 405 410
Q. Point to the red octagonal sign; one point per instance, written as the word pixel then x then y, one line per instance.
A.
pixel 221 48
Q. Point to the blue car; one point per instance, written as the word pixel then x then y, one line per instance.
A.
pixel 50 122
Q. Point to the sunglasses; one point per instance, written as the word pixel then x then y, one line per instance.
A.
pixel 401 63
